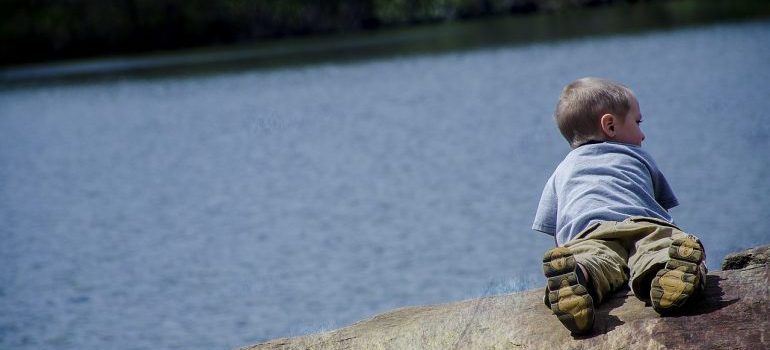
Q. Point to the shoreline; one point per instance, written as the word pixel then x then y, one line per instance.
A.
pixel 426 38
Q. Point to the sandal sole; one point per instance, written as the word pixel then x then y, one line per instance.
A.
pixel 678 280
pixel 570 301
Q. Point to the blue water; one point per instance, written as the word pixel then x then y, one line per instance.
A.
pixel 216 211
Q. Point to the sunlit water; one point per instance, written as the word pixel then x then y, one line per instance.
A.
pixel 217 211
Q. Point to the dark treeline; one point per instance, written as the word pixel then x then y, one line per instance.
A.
pixel 41 30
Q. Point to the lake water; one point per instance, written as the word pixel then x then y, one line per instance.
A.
pixel 215 211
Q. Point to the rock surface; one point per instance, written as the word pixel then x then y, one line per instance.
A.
pixel 732 313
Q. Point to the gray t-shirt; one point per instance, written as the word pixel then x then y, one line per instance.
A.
pixel 604 181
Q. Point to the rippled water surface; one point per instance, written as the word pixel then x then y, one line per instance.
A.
pixel 216 211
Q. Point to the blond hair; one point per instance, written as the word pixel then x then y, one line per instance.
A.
pixel 582 104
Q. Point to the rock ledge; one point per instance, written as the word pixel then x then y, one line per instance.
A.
pixel 733 313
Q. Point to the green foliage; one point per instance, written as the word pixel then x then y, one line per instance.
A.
pixel 401 11
pixel 36 30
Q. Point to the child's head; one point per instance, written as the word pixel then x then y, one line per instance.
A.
pixel 594 109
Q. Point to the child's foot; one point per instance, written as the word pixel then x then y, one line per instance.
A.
pixel 567 292
pixel 683 274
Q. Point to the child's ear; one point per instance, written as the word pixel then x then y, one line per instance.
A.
pixel 608 125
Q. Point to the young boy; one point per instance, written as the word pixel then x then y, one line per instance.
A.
pixel 606 205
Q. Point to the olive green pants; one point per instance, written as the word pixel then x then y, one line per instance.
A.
pixel 632 251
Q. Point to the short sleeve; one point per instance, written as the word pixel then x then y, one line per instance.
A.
pixel 664 195
pixel 663 192
pixel 545 217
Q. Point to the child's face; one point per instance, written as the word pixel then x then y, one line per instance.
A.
pixel 627 130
